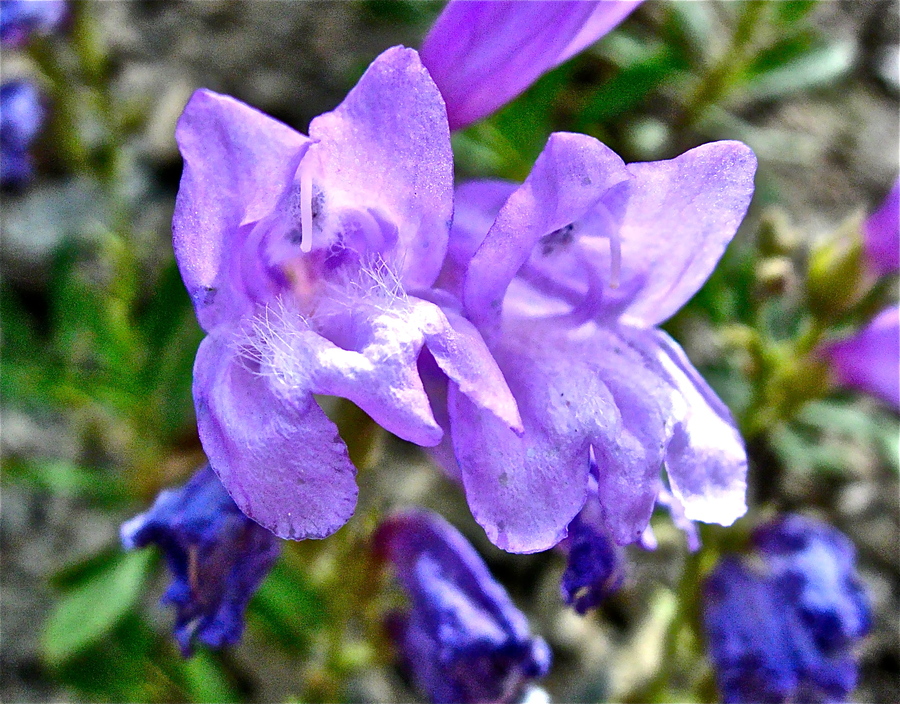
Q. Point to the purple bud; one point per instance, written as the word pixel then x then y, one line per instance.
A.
pixel 483 54
pixel 21 117
pixel 463 639
pixel 881 235
pixel 749 641
pixel 218 558
pixel 595 566
pixel 814 565
pixel 869 361
pixel 19 19
pixel 785 631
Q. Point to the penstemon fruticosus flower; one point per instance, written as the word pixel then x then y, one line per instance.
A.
pixel 567 276
pixel 309 261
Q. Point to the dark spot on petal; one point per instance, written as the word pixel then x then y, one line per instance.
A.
pixel 206 295
pixel 558 238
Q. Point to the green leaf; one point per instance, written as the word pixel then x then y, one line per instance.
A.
pixel 790 11
pixel 813 69
pixel 92 609
pixel 204 679
pixel 64 478
pixel 286 608
pixel 627 88
pixel 781 53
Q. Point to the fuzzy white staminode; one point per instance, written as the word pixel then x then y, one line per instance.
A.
pixel 279 341
pixel 269 339
pixel 372 286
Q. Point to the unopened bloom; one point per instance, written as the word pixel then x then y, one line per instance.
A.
pixel 309 261
pixel 881 235
pixel 218 558
pixel 578 266
pixel 595 565
pixel 463 639
pixel 482 53
pixel 814 565
pixel 19 19
pixel 21 117
pixel 869 361
pixel 783 631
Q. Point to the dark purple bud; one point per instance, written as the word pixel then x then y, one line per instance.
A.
pixel 784 632
pixel 814 565
pixel 21 117
pixel 218 558
pixel 19 19
pixel 749 642
pixel 463 639
pixel 595 565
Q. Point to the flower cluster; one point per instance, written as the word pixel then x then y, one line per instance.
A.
pixel 511 327
pixel 784 630
pixel 312 263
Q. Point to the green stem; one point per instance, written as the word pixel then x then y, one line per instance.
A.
pixel 719 81
pixel 344 570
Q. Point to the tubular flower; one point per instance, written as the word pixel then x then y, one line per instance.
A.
pixel 784 632
pixel 881 235
pixel 218 558
pixel 578 266
pixel 869 361
pixel 482 54
pixel 21 116
pixel 463 639
pixel 305 258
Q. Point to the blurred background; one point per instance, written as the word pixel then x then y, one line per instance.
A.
pixel 99 337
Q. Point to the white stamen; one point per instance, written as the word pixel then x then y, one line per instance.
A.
pixel 306 196
pixel 615 260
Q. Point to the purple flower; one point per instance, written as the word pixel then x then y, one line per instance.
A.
pixel 881 235
pixel 785 632
pixel 19 19
pixel 309 260
pixel 21 117
pixel 483 54
pixel 813 564
pixel 463 639
pixel 218 558
pixel 869 361
pixel 579 265
pixel 595 566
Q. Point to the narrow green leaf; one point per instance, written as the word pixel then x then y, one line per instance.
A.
pixel 627 88
pixel 93 608
pixel 62 477
pixel 813 69
pixel 204 679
